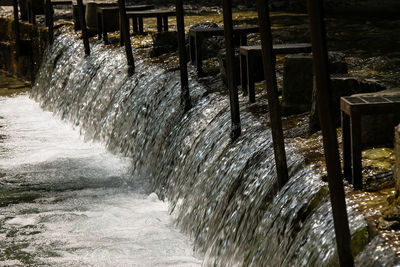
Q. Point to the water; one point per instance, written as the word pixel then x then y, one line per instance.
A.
pixel 66 202
pixel 224 194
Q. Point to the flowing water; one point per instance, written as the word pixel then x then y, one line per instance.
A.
pixel 223 194
pixel 66 202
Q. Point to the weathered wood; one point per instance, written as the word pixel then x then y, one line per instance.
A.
pixel 272 92
pixel 83 27
pixel 110 11
pixel 161 15
pixel 352 110
pixel 125 35
pixel 197 35
pixel 335 182
pixel 230 55
pixel 49 16
pixel 251 57
pixel 180 22
pixel 16 28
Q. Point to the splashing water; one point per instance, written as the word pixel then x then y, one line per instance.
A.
pixel 223 194
pixel 65 202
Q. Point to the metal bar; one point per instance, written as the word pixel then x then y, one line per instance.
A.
pixel 83 27
pixel 180 22
pixel 272 92
pixel 230 57
pixel 125 35
pixel 335 182
pixel 16 29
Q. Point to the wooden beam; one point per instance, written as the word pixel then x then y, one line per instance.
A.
pixel 272 92
pixel 230 57
pixel 125 35
pixel 335 182
pixel 180 22
pixel 83 27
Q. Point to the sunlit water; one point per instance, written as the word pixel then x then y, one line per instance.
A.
pixel 224 194
pixel 66 202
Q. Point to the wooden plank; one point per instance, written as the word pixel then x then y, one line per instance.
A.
pixel 151 13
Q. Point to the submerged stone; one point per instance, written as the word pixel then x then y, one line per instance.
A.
pixel 343 85
pixel 164 42
pixel 210 47
pixel 222 66
pixel 297 92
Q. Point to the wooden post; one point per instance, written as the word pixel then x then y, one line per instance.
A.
pixel 272 92
pixel 125 35
pixel 230 57
pixel 335 183
pixel 16 29
pixel 49 12
pixel 83 27
pixel 180 22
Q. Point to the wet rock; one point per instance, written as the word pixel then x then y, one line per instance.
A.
pixel 379 181
pixel 344 85
pixel 297 84
pixel 388 225
pixel 393 213
pixel 298 80
pixel 210 46
pixel 164 42
pixel 222 66
pixel 337 63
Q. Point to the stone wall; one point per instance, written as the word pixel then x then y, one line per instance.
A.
pixel 33 43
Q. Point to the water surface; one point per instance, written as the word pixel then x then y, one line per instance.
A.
pixel 66 202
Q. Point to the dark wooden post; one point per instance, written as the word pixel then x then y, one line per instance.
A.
pixel 272 92
pixel 83 27
pixel 16 28
pixel 180 22
pixel 230 57
pixel 49 12
pixel 125 35
pixel 335 183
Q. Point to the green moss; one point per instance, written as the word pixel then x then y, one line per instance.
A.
pixel 359 240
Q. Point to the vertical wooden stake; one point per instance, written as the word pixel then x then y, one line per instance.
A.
pixel 272 92
pixel 335 183
pixel 230 57
pixel 125 35
pixel 83 27
pixel 16 29
pixel 49 13
pixel 180 22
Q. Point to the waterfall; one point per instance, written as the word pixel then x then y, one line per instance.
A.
pixel 223 194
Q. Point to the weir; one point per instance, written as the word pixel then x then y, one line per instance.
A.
pixel 224 194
